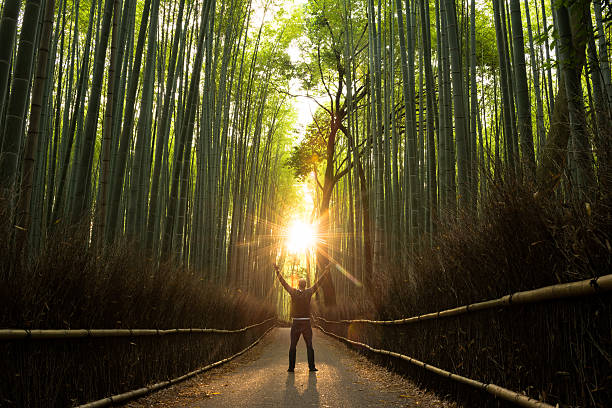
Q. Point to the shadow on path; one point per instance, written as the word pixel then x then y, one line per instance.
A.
pixel 310 394
pixel 260 379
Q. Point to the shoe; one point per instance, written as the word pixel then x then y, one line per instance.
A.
pixel 290 370
pixel 314 369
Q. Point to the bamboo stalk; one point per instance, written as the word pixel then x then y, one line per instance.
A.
pixel 126 396
pixel 19 334
pixel 560 291
pixel 493 389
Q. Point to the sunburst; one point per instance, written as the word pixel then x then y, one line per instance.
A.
pixel 301 237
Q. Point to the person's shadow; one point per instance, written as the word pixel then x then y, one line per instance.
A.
pixel 311 389
pixel 309 397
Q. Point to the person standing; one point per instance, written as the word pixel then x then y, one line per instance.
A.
pixel 300 314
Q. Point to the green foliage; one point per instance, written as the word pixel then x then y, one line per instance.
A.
pixel 486 48
pixel 323 41
pixel 309 154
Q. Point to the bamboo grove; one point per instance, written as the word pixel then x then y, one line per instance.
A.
pixel 153 122
pixel 430 104
pixel 168 124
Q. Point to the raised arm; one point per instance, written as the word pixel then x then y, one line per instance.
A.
pixel 281 279
pixel 318 282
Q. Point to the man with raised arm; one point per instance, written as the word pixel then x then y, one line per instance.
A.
pixel 300 313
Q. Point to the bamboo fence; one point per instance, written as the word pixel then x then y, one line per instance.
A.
pixel 553 292
pixel 130 395
pixel 561 291
pixel 22 334
pixel 496 390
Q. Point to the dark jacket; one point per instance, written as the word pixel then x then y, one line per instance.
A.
pixel 300 299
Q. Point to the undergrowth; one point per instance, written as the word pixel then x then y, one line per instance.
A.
pixel 557 351
pixel 73 286
pixel 516 243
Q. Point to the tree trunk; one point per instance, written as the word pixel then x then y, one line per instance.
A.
pixel 523 100
pixel 84 166
pixel 20 87
pixel 105 153
pixel 463 162
pixel 34 129
pixel 555 152
pixel 113 218
pixel 571 32
pixel 8 29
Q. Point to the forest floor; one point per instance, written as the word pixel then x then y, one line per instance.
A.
pixel 259 378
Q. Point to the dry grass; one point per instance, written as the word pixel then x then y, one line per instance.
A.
pixel 559 351
pixel 72 286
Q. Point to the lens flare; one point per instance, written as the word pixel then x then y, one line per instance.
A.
pixel 350 277
pixel 300 236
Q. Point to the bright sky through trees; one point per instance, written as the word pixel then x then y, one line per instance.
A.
pixel 268 11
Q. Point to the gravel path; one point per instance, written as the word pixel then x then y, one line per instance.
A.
pixel 259 379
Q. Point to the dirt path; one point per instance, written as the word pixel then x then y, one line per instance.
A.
pixel 259 379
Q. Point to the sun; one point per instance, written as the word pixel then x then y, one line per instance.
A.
pixel 300 236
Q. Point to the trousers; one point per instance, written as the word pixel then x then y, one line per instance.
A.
pixel 301 328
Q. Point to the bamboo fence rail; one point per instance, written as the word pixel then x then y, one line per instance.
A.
pixel 126 396
pixel 22 334
pixel 560 291
pixel 496 390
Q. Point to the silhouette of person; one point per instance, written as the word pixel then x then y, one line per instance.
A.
pixel 300 314
pixel 308 397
